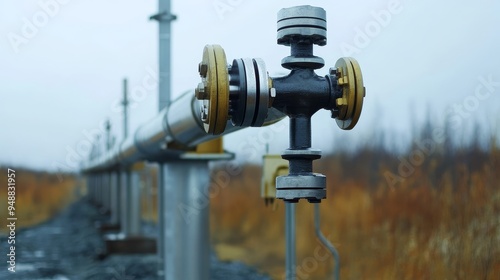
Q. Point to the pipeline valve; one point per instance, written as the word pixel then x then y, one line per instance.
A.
pixel 244 94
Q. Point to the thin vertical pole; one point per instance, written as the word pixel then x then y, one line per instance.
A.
pixel 108 135
pixel 290 241
pixel 164 18
pixel 164 22
pixel 125 109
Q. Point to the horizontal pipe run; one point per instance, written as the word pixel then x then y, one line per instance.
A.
pixel 177 125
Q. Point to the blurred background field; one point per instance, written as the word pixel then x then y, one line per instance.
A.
pixel 441 220
pixel 39 195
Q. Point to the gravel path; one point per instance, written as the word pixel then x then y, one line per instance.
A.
pixel 70 247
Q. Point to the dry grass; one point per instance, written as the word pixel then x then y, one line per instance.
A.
pixel 39 196
pixel 442 222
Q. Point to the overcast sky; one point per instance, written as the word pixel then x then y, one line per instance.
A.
pixel 62 65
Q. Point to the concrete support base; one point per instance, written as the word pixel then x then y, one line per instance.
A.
pixel 118 244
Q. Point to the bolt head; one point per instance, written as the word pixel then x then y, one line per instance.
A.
pixel 202 69
pixel 338 72
pixel 341 102
pixel 200 92
pixel 333 71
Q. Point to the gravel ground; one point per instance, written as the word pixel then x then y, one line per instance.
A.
pixel 70 247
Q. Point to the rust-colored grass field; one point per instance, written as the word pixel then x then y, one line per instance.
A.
pixel 39 196
pixel 441 221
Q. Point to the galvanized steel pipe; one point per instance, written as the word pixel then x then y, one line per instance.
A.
pixel 178 125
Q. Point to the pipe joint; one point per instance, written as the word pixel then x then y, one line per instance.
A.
pixel 243 93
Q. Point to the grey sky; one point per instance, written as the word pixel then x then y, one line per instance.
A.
pixel 66 77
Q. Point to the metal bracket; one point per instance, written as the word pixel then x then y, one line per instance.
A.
pixel 163 16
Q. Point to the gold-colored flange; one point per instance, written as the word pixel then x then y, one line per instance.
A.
pixel 214 89
pixel 349 77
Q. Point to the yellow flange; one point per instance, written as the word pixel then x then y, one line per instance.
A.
pixel 350 104
pixel 214 89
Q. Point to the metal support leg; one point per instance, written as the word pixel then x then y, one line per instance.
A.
pixel 290 241
pixel 186 236
pixel 161 219
pixel 99 190
pixel 90 192
pixel 134 204
pixel 130 204
pixel 105 190
pixel 94 189
pixel 108 191
pixel 102 183
pixel 130 240
pixel 115 205
pixel 124 219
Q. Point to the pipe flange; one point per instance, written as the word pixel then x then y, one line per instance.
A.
pixel 291 188
pixel 293 196
pixel 302 22
pixel 249 92
pixel 302 152
pixel 213 89
pixel 262 92
pixel 350 79
pixel 238 93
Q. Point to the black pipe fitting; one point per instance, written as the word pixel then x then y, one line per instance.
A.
pixel 300 95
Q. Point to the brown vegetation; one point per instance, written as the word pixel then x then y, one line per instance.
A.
pixel 39 196
pixel 435 218
pixel 439 221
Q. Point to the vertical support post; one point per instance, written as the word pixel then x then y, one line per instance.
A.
pixel 186 220
pixel 130 239
pixel 124 217
pixel 160 241
pixel 90 188
pixel 164 18
pixel 100 192
pixel 134 204
pixel 115 205
pixel 94 187
pixel 290 241
pixel 105 192
pixel 105 189
pixel 130 204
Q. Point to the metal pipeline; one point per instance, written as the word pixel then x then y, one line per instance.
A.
pixel 177 125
